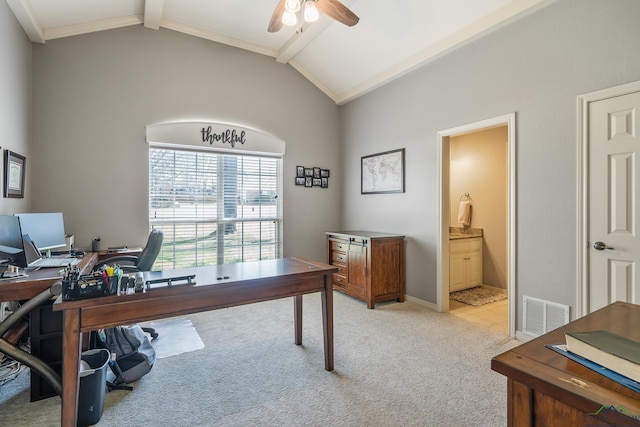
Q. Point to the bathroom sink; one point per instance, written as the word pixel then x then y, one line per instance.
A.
pixel 454 236
pixel 466 233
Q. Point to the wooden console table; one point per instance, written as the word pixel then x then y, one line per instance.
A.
pixel 218 286
pixel 547 389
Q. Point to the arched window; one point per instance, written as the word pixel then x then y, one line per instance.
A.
pixel 218 197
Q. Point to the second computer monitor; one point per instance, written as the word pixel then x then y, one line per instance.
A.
pixel 11 244
pixel 46 230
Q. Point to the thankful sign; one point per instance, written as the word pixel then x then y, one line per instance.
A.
pixel 228 136
pixel 212 136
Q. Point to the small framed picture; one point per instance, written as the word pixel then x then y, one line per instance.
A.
pixel 324 173
pixel 300 180
pixel 308 171
pixel 308 181
pixel 316 172
pixel 299 171
pixel 325 183
pixel 317 182
pixel 14 173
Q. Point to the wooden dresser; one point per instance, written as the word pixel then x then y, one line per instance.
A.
pixel 371 265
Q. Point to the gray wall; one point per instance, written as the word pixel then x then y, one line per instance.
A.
pixel 15 100
pixel 536 67
pixel 95 93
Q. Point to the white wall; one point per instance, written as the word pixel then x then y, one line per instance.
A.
pixel 95 93
pixel 478 166
pixel 15 102
pixel 536 67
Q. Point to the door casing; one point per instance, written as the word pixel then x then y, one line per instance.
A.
pixel 444 212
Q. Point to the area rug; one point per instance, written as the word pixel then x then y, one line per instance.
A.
pixel 175 336
pixel 480 295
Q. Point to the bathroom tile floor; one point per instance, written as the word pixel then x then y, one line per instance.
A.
pixel 493 315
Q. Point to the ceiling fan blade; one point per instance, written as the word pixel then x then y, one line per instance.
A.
pixel 337 11
pixel 276 19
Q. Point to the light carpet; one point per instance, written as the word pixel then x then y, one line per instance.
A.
pixel 399 364
pixel 479 295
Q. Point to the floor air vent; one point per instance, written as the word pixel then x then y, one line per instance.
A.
pixel 542 316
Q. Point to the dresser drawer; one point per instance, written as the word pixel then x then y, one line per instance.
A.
pixel 337 245
pixel 338 257
pixel 340 280
pixel 342 269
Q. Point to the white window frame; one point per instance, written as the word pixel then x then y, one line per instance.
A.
pixel 220 140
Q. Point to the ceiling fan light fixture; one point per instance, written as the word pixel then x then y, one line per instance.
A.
pixel 311 13
pixel 292 6
pixel 289 18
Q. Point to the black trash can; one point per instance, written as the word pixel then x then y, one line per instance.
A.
pixel 93 385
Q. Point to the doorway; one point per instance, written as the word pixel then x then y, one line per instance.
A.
pixel 445 212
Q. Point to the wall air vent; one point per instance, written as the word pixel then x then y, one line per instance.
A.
pixel 540 316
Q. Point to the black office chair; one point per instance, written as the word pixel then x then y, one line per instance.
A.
pixel 144 261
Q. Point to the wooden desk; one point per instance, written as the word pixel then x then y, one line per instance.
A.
pixel 25 288
pixel 247 283
pixel 35 290
pixel 545 388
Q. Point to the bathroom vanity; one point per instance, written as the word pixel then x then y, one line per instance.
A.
pixel 465 258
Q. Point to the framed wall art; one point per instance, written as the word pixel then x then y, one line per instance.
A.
pixel 382 173
pixel 14 173
pixel 312 176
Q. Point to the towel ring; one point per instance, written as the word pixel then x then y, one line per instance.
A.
pixel 465 197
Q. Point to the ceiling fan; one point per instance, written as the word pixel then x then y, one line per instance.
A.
pixel 286 13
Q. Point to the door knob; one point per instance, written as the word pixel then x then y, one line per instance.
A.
pixel 599 246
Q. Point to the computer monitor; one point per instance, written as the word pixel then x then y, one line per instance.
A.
pixel 11 243
pixel 46 230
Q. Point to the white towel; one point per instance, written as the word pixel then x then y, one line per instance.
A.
pixel 464 213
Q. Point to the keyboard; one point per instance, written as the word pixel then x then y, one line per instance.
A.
pixel 54 262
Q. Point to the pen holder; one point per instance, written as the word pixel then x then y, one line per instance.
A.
pixel 114 285
pixel 82 288
pixel 69 289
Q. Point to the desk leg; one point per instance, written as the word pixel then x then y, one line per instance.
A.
pixel 297 318
pixel 70 366
pixel 327 323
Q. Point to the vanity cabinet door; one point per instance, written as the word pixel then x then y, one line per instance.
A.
pixel 474 269
pixel 457 272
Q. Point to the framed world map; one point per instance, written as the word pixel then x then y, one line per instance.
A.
pixel 383 172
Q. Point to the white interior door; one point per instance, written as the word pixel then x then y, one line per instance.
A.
pixel 614 165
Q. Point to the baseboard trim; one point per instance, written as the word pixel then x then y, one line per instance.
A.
pixel 422 302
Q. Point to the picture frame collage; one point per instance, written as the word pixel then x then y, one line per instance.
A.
pixel 312 177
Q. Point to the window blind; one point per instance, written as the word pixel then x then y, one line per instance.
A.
pixel 214 208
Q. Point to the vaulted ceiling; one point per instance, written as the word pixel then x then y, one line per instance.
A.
pixel 391 38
